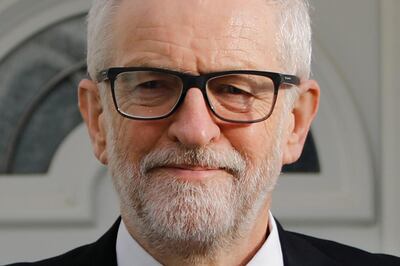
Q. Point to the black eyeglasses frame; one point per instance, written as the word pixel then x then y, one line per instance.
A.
pixel 196 81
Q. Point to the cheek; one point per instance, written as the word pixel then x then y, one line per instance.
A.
pixel 260 141
pixel 254 141
pixel 137 138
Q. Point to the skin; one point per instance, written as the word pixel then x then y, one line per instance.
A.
pixel 204 36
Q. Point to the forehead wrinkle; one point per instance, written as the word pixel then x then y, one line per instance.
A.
pixel 233 55
pixel 152 59
pixel 163 34
pixel 226 62
pixel 149 50
pixel 237 43
pixel 195 47
pixel 173 42
pixel 196 39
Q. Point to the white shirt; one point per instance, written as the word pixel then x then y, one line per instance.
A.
pixel 130 253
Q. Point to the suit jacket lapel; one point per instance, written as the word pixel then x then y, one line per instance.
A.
pixel 103 251
pixel 297 251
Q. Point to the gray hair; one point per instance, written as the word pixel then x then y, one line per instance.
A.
pixel 293 37
pixel 99 35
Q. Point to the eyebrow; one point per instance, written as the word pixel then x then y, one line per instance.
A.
pixel 146 61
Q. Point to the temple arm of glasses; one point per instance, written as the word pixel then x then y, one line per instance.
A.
pixel 290 79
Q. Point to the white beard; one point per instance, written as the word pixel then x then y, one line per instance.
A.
pixel 189 219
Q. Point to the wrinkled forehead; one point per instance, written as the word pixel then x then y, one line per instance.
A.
pixel 233 28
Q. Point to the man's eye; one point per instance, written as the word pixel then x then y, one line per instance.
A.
pixel 153 84
pixel 229 89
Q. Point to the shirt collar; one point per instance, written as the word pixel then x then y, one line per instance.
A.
pixel 270 252
pixel 130 253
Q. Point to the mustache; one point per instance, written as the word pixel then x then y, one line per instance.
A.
pixel 229 159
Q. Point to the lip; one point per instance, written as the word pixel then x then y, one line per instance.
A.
pixel 192 173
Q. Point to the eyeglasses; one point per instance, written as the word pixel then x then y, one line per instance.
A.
pixel 239 96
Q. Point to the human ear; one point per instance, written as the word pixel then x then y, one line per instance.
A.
pixel 304 110
pixel 92 113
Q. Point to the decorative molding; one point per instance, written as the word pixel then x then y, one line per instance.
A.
pixel 390 66
pixel 14 29
pixel 343 191
pixel 66 193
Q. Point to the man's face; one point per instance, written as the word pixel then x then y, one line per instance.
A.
pixel 192 178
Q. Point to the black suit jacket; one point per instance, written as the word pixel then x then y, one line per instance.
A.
pixel 297 249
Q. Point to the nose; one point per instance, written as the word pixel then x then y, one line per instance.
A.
pixel 193 125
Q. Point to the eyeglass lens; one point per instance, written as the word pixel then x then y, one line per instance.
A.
pixel 151 94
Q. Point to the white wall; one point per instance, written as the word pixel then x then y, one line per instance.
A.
pixel 356 42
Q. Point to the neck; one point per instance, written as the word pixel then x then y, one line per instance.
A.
pixel 238 250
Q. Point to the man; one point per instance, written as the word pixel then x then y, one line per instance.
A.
pixel 195 106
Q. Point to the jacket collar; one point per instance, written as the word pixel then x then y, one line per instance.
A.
pixel 298 251
pixel 103 251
